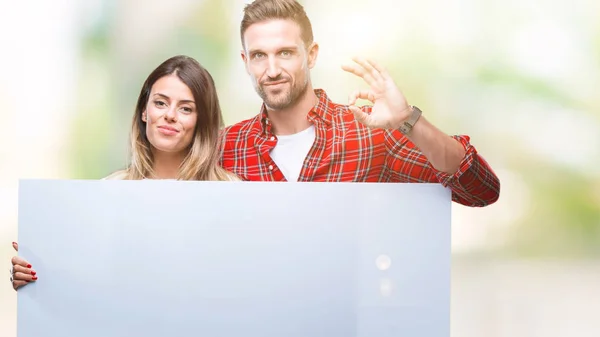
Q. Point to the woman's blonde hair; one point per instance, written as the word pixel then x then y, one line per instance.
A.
pixel 202 159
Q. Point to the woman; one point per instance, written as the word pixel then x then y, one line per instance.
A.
pixel 175 134
pixel 176 126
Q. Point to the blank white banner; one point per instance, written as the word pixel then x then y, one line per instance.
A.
pixel 225 259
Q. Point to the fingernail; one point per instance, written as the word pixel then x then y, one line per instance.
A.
pixel 34 278
pixel 28 266
pixel 14 243
pixel 33 272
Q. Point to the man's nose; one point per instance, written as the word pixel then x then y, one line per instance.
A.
pixel 274 70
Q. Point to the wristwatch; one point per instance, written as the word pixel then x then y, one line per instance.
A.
pixel 411 121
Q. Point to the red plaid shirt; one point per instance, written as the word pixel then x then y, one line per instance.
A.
pixel 347 151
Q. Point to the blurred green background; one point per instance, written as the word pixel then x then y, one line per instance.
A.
pixel 511 87
pixel 520 77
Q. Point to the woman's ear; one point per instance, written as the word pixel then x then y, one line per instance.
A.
pixel 144 118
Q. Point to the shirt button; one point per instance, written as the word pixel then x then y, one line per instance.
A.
pixel 272 138
pixel 270 167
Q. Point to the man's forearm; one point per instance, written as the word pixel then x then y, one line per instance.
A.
pixel 443 152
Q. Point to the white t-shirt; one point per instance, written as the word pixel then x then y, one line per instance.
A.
pixel 291 150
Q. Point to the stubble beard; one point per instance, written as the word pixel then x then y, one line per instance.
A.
pixel 285 97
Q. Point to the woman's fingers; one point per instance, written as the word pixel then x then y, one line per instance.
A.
pixel 24 270
pixel 18 276
pixel 17 284
pixel 19 261
pixel 22 273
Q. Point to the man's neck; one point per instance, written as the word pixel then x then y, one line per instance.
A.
pixel 293 119
pixel 166 165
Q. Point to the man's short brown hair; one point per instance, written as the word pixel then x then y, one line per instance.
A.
pixel 263 10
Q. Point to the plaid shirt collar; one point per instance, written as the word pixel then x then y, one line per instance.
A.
pixel 322 112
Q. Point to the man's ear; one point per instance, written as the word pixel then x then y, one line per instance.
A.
pixel 245 60
pixel 313 52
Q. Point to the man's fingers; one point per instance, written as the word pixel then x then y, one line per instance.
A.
pixel 359 71
pixel 353 69
pixel 18 284
pixel 15 246
pixel 369 67
pixel 17 260
pixel 360 115
pixel 360 94
pixel 379 68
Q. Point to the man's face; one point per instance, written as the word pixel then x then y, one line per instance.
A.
pixel 278 62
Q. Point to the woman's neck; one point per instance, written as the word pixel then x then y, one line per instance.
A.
pixel 166 165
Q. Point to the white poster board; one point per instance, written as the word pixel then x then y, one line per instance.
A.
pixel 224 259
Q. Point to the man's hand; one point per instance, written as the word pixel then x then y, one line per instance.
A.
pixel 22 273
pixel 390 108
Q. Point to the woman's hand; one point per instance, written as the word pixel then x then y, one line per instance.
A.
pixel 22 273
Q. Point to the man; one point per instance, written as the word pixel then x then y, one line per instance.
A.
pixel 300 135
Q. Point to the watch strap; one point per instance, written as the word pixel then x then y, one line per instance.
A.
pixel 408 124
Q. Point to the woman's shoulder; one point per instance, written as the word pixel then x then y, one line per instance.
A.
pixel 119 175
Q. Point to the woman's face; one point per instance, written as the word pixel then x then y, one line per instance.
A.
pixel 170 115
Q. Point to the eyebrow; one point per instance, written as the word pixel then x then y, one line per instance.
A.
pixel 253 51
pixel 167 97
